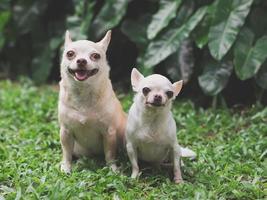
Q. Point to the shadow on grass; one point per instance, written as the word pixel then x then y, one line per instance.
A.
pixel 147 170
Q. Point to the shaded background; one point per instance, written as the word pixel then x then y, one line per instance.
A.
pixel 218 47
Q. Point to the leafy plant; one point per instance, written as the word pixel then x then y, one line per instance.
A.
pixel 170 41
pixel 173 37
pixel 222 29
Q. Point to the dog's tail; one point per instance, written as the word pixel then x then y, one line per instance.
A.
pixel 188 153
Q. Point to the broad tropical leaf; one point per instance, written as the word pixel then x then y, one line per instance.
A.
pixel 166 12
pixel 79 25
pixel 26 15
pixel 87 20
pixel 257 19
pixel 4 17
pixel 243 44
pixel 229 18
pixel 215 77
pixel 135 30
pixel 169 42
pixel 200 34
pixel 74 26
pixel 261 76
pixel 109 16
pixel 179 65
pixel 185 11
pixel 248 58
pixel 42 62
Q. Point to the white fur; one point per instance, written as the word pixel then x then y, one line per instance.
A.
pixel 151 131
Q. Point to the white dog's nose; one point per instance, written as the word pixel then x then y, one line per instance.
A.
pixel 157 98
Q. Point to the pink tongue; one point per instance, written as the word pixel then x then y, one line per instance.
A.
pixel 81 75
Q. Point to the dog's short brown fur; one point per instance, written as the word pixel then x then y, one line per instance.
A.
pixel 90 115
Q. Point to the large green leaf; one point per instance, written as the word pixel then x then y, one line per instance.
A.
pixel 183 14
pixel 261 76
pixel 257 18
pixel 26 15
pixel 135 30
pixel 243 44
pixel 180 64
pixel 229 18
pixel 201 32
pixel 248 58
pixel 109 16
pixel 80 22
pixel 215 77
pixel 42 62
pixel 169 42
pixel 166 12
pixel 4 17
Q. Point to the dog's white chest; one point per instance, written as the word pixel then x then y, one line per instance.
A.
pixel 87 129
pixel 152 145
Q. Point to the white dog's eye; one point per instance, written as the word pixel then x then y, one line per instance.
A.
pixel 146 90
pixel 169 94
pixel 95 56
pixel 70 54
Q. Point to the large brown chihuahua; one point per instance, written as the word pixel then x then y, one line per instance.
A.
pixel 90 116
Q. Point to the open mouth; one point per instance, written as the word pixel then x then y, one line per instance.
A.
pixel 82 74
pixel 154 104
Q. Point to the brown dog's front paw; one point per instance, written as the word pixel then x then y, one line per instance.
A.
pixel 114 168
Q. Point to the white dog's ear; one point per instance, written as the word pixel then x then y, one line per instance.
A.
pixel 177 86
pixel 105 41
pixel 136 77
pixel 67 38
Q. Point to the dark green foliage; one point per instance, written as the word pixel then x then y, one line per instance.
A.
pixel 109 16
pixel 159 32
pixel 229 16
pixel 171 40
pixel 33 35
pixel 230 144
pixel 214 77
pixel 166 12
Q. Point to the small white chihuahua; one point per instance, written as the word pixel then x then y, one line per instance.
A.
pixel 151 129
pixel 90 116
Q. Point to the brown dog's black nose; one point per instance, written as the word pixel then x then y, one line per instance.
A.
pixel 157 98
pixel 81 62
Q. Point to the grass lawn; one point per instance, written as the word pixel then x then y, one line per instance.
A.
pixel 231 147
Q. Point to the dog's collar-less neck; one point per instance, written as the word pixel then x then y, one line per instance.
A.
pixel 153 114
pixel 86 94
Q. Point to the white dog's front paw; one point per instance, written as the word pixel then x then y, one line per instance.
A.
pixel 66 168
pixel 135 174
pixel 178 180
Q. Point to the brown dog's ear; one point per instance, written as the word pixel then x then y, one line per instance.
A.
pixel 136 77
pixel 67 38
pixel 177 86
pixel 105 41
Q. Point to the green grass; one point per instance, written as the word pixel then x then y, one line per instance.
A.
pixel 231 147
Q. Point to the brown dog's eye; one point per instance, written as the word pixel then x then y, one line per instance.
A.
pixel 169 94
pixel 95 56
pixel 70 54
pixel 146 90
